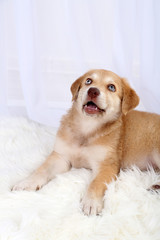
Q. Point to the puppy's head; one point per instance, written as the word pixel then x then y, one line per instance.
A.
pixel 101 93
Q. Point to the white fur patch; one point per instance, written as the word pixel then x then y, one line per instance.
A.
pixel 81 156
pixel 88 124
pixel 94 76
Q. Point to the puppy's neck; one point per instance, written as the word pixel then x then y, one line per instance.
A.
pixel 89 126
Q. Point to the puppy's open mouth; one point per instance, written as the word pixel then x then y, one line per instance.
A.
pixel 91 108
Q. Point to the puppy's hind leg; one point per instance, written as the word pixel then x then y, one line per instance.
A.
pixel 54 164
pixel 156 165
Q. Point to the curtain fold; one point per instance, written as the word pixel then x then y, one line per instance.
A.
pixel 46 45
pixel 149 36
pixel 3 63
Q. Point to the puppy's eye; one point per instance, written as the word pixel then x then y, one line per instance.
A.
pixel 111 88
pixel 88 81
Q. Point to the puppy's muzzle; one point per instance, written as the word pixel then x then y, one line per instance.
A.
pixel 93 92
pixel 91 104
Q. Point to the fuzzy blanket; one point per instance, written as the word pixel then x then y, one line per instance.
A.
pixel 54 212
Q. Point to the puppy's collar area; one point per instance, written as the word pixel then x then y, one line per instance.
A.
pixel 91 108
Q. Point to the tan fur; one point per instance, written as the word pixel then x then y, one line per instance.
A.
pixel 104 142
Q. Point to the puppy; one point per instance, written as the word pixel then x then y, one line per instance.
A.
pixel 101 133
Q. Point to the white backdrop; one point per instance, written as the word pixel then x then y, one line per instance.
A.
pixel 46 44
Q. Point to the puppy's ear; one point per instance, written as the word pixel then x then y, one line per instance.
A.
pixel 130 99
pixel 75 88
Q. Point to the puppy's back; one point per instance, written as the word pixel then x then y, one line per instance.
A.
pixel 141 135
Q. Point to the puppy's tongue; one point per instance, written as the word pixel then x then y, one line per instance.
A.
pixel 91 108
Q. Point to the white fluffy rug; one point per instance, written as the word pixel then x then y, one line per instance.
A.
pixel 54 213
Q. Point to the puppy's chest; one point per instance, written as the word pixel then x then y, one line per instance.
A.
pixel 80 154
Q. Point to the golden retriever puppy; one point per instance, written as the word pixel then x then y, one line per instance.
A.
pixel 101 133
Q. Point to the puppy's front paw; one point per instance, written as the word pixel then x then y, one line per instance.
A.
pixel 92 205
pixel 29 184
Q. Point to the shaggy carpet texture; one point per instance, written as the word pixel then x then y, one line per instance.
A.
pixel 54 213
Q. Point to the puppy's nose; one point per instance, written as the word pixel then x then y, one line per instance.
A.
pixel 93 92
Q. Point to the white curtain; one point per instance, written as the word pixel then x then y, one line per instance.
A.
pixel 46 44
